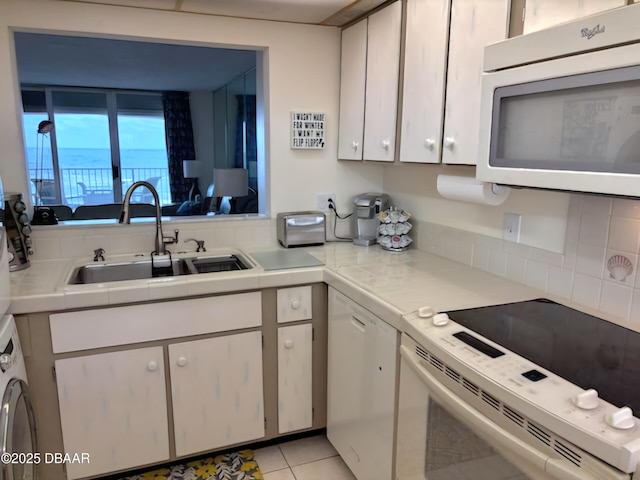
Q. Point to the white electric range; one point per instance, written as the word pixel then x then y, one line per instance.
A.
pixel 528 390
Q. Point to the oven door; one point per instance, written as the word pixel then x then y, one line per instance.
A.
pixel 441 437
pixel 571 124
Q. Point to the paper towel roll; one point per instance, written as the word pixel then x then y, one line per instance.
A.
pixel 468 189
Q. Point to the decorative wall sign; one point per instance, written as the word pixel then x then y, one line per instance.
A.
pixel 307 130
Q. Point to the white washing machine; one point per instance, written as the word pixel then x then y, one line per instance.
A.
pixel 17 422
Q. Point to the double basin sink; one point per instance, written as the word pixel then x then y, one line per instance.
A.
pixel 166 267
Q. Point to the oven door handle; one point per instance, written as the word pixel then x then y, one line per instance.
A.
pixel 502 439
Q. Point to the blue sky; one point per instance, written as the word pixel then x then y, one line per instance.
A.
pixel 92 131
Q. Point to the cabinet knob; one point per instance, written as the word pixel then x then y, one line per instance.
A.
pixel 449 142
pixel 354 145
pixel 429 143
pixel 152 366
pixel 386 144
pixel 182 361
pixel 288 344
pixel 295 304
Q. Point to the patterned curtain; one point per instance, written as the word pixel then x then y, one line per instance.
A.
pixel 247 116
pixel 177 117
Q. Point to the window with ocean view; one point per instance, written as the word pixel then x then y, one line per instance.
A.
pixel 91 165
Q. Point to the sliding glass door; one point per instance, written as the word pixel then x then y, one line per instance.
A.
pixel 103 141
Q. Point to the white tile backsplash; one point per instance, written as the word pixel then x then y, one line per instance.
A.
pixel 516 268
pixel 597 229
pixel 536 275
pixel 80 242
pixel 481 257
pixel 498 263
pixel 593 229
pixel 626 208
pixel 624 234
pixel 560 282
pixel 586 290
pixel 590 260
pixel 615 299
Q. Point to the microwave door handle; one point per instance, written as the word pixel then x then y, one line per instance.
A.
pixel 481 424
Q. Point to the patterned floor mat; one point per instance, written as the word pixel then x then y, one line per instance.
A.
pixel 232 466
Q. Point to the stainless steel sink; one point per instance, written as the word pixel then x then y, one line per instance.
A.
pixel 117 272
pixel 221 263
pixel 143 269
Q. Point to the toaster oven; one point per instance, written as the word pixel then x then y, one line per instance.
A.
pixel 299 229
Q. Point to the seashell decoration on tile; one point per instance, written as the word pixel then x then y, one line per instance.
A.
pixel 620 267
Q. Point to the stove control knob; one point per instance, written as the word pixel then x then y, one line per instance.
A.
pixel 587 400
pixel 441 319
pixel 426 312
pixel 621 419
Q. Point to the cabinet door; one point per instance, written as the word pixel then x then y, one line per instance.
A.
pixel 295 401
pixel 425 61
pixel 353 69
pixel 113 405
pixel 383 65
pixel 216 387
pixel 361 388
pixel 541 14
pixel 474 24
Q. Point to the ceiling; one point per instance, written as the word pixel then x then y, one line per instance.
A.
pixel 322 12
pixel 104 63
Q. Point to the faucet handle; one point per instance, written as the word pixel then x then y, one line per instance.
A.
pixel 174 239
pixel 199 243
pixel 98 255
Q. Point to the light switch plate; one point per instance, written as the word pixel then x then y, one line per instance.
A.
pixel 511 227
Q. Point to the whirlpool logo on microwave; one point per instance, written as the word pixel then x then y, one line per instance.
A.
pixel 589 33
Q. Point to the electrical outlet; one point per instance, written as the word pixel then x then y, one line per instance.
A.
pixel 511 227
pixel 322 200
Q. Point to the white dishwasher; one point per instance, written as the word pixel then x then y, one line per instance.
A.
pixel 361 374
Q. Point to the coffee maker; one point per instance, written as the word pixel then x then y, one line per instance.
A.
pixel 365 217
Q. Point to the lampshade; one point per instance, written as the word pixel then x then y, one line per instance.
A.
pixel 231 182
pixel 192 168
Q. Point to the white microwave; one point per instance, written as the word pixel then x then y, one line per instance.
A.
pixel 560 107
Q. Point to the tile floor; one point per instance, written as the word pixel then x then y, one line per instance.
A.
pixel 310 458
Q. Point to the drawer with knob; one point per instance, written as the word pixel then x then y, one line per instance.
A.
pixel 294 304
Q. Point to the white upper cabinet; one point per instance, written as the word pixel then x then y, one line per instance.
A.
pixel 383 65
pixel 353 70
pixel 425 61
pixel 541 14
pixel 474 24
pixel 369 74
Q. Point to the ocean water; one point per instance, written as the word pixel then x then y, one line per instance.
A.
pixel 100 158
pixel 91 167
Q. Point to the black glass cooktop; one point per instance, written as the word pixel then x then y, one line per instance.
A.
pixel 586 350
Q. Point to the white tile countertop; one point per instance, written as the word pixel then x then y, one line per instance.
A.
pixel 388 284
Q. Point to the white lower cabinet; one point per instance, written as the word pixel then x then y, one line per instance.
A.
pixel 113 405
pixel 362 354
pixel 295 401
pixel 216 388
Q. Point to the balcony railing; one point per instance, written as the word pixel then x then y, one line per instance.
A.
pixel 94 186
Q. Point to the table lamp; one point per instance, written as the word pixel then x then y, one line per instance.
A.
pixel 230 182
pixel 193 169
